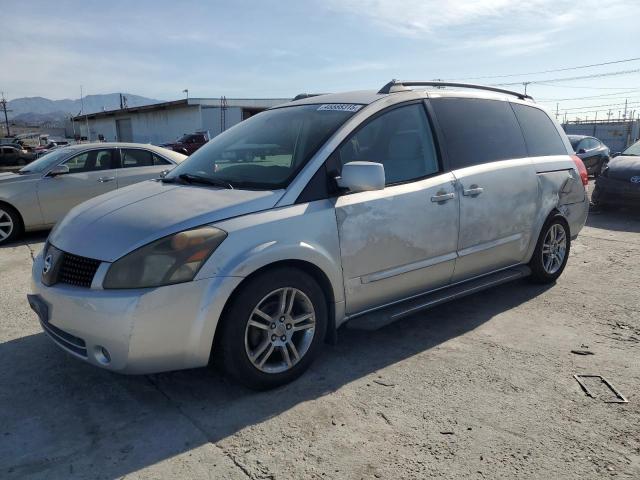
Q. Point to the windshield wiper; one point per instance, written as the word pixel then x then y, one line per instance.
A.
pixel 216 182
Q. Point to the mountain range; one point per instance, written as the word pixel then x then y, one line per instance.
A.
pixel 37 110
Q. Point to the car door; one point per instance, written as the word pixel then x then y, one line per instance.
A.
pixel 91 173
pixel 139 165
pixel 401 240
pixel 496 183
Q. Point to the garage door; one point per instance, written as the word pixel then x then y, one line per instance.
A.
pixel 124 130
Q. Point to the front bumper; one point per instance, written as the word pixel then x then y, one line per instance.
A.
pixel 615 191
pixel 143 331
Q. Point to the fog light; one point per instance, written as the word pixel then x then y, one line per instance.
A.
pixel 102 355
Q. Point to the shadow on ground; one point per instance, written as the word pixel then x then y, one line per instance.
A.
pixel 61 417
pixel 616 219
pixel 27 238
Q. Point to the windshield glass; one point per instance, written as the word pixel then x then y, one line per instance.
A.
pixel 574 142
pixel 46 161
pixel 633 150
pixel 267 150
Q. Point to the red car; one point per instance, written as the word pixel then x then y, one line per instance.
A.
pixel 188 143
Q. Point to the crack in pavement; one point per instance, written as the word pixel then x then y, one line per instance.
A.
pixel 194 422
pixel 31 252
pixel 609 239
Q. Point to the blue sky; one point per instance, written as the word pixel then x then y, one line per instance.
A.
pixel 245 48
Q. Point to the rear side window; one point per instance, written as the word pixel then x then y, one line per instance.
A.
pixel 157 160
pixel 478 131
pixel 136 158
pixel 540 133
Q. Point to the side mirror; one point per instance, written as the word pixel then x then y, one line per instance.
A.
pixel 362 176
pixel 582 150
pixel 58 170
pixel 165 172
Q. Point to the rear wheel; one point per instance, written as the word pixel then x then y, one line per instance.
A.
pixel 273 328
pixel 552 251
pixel 10 224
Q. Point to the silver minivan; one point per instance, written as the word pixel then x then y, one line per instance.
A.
pixel 345 207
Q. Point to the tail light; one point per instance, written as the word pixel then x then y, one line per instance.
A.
pixel 582 170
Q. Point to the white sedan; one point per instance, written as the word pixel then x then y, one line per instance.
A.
pixel 42 192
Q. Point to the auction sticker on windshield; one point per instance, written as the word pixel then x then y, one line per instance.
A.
pixel 340 107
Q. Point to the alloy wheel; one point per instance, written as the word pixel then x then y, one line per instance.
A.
pixel 6 225
pixel 554 248
pixel 280 330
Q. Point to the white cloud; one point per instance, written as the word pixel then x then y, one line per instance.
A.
pixel 513 25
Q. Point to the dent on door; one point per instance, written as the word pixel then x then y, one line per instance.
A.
pixel 396 242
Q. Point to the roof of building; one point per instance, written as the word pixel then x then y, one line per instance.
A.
pixel 262 103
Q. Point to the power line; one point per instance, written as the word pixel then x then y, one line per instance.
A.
pixel 597 106
pixel 577 86
pixel 549 71
pixel 585 98
pixel 565 79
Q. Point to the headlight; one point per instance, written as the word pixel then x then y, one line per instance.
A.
pixel 173 259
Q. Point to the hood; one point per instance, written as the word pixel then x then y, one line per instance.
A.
pixel 112 225
pixel 7 178
pixel 623 167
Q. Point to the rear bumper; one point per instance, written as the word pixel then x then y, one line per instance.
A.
pixel 143 331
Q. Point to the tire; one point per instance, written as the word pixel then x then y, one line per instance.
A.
pixel 598 170
pixel 11 226
pixel 597 200
pixel 256 349
pixel 544 270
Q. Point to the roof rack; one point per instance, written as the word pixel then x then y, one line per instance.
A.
pixel 300 96
pixel 391 87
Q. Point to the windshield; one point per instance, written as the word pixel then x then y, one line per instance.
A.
pixel 574 142
pixel 267 150
pixel 633 150
pixel 46 161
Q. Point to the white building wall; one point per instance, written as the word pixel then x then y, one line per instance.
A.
pixel 155 126
pixel 211 119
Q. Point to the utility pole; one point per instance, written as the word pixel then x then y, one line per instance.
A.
pixel 624 117
pixel 86 116
pixel 525 86
pixel 4 109
pixel 557 108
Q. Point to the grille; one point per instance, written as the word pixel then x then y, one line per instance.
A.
pixel 78 271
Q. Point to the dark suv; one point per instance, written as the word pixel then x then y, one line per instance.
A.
pixel 188 143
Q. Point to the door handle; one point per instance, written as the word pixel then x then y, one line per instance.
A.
pixel 442 197
pixel 106 179
pixel 473 191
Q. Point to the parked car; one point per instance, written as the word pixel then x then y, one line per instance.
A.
pixel 13 155
pixel 188 143
pixel 593 153
pixel 386 202
pixel 619 184
pixel 44 149
pixel 41 193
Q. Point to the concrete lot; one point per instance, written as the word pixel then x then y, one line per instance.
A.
pixel 482 388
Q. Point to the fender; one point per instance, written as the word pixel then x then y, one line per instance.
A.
pixel 303 232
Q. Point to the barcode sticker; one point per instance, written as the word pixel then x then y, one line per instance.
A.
pixel 340 107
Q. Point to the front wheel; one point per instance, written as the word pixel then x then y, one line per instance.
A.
pixel 552 251
pixel 273 328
